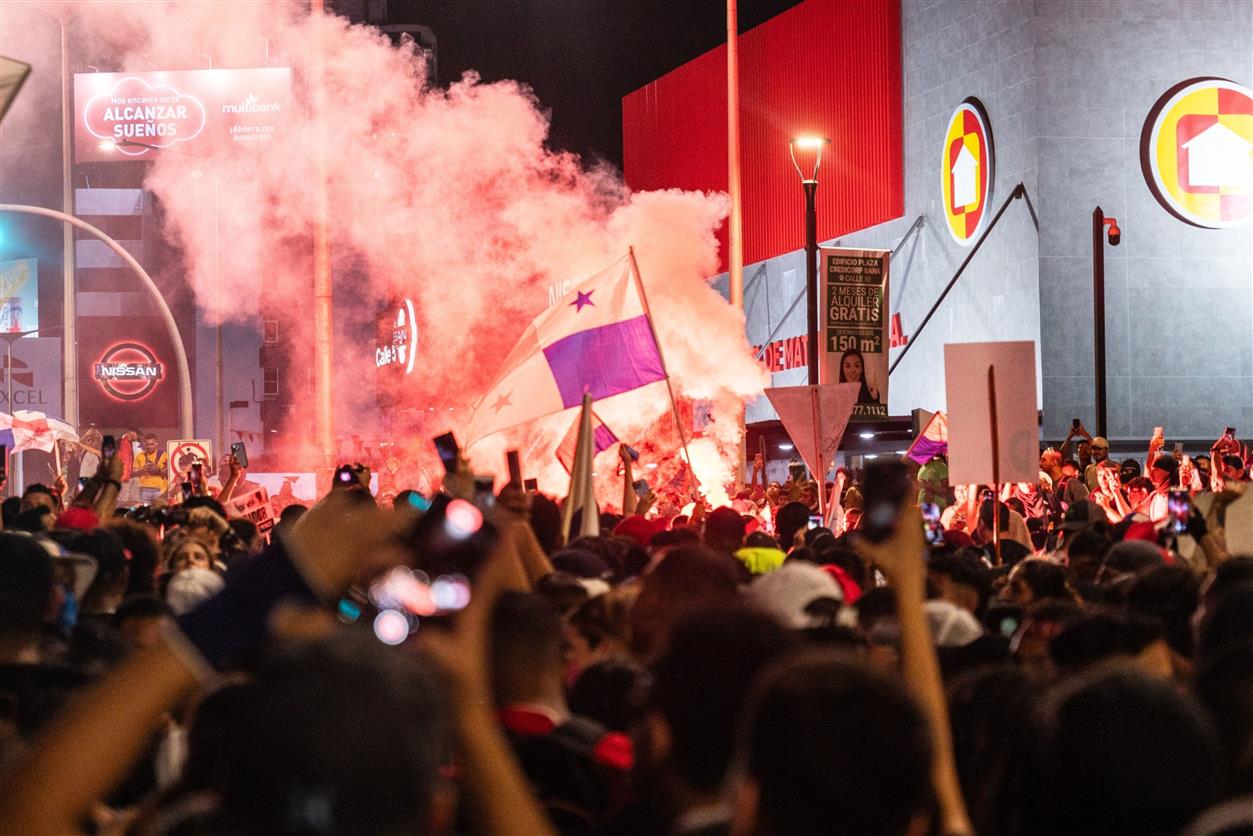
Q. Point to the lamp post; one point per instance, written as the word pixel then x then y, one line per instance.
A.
pixel 810 146
pixel 1099 222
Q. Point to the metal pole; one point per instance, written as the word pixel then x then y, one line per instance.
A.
pixel 1098 316
pixel 180 353
pixel 811 278
pixel 735 222
pixel 69 299
pixel 15 484
pixel 323 323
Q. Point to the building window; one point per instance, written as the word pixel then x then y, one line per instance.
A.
pixel 269 331
pixel 269 388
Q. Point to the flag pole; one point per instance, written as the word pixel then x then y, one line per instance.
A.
pixel 678 422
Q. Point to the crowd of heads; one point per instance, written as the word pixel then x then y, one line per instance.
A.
pixel 727 670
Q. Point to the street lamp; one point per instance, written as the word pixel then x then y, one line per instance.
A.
pixel 810 147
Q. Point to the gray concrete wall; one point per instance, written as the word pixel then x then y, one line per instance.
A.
pixel 1067 85
pixel 1179 298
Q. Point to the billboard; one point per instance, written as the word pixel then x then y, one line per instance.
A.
pixel 19 295
pixel 127 375
pixel 130 116
pixel 36 383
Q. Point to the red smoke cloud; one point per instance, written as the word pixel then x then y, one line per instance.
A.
pixel 448 196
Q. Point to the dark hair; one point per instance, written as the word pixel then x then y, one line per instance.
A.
pixel 31 521
pixel 205 502
pixel 37 487
pixel 562 591
pixel 760 540
pixel 724 530
pixel 106 547
pixel 702 680
pixel 9 509
pixel 152 436
pixel 369 704
pixel 832 744
pixel 26 580
pixel 525 644
pixel 145 556
pixel 688 578
pixel 141 606
pixel 1169 594
pixel 1224 683
pixel 1125 754
pixel 863 394
pixel 991 711
pixel 611 692
pixel 546 522
pixel 245 530
pixel 681 536
pixel 1099 635
pixel 1045 579
pixel 1229 574
pixel 966 567
pixel 1229 619
pixel 985 514
pixel 291 513
pixel 789 519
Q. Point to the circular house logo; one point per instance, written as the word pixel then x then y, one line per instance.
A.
pixel 966 171
pixel 128 371
pixel 1196 152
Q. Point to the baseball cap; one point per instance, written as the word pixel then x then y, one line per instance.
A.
pixel 1100 441
pixel 788 592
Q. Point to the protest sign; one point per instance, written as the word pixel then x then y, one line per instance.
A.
pixel 253 505
pixel 855 326
pixel 970 426
pixel 815 418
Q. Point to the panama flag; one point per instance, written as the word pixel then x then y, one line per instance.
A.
pixel 597 340
pixel 602 439
pixel 931 442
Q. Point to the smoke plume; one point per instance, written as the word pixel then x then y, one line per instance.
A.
pixel 449 196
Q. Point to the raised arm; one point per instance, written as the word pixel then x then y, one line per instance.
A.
pixel 901 559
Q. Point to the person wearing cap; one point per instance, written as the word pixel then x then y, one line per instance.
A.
pixel 1100 454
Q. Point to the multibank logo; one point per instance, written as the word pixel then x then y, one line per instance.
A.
pixel 251 104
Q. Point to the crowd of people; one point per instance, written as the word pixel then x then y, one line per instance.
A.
pixel 1068 656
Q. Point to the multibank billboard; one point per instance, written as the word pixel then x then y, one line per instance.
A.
pixel 129 116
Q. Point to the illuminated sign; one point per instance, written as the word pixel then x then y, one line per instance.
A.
pixel 966 171
pixel 1196 152
pixel 128 371
pixel 397 346
pixel 134 110
pixel 121 116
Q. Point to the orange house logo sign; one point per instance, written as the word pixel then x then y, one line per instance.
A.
pixel 1196 152
pixel 966 171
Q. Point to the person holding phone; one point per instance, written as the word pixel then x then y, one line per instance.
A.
pixel 151 468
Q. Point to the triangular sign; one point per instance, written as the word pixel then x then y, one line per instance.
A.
pixel 816 418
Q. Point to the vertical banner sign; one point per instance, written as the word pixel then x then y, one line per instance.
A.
pixel 19 295
pixel 856 325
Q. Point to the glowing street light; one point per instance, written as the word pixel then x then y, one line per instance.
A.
pixel 810 147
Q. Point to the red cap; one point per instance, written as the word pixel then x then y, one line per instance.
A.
pixel 81 519
pixel 639 529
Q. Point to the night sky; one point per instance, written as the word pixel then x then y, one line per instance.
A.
pixel 580 56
